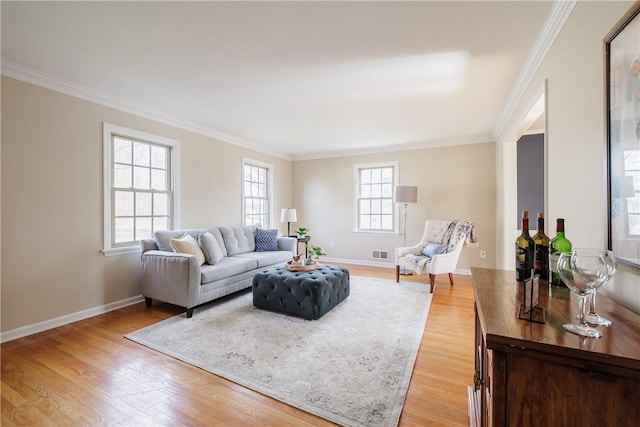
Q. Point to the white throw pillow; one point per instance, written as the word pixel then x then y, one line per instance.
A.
pixel 188 245
pixel 211 249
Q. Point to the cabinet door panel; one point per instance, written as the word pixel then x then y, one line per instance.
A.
pixel 549 394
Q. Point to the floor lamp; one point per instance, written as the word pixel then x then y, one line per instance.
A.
pixel 405 194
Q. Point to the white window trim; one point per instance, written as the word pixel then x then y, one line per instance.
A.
pixel 108 130
pixel 356 190
pixel 269 167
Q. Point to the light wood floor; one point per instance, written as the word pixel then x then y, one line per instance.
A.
pixel 87 374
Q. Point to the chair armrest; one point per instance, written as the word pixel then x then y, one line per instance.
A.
pixel 171 277
pixel 443 263
pixel 417 249
pixel 447 262
pixel 288 244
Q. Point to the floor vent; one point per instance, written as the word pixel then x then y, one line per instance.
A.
pixel 379 254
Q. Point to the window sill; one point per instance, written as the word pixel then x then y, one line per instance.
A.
pixel 377 233
pixel 120 251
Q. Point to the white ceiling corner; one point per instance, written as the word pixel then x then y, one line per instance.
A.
pixel 554 23
pixel 293 79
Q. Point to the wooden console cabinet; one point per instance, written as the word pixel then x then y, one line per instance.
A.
pixel 531 374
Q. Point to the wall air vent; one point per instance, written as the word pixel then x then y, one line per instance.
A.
pixel 379 254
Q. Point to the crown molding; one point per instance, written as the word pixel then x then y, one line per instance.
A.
pixel 555 21
pixel 481 139
pixel 47 81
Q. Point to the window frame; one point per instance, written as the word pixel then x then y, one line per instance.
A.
pixel 269 169
pixel 109 131
pixel 356 198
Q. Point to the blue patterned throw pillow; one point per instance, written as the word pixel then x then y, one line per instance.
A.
pixel 432 249
pixel 266 240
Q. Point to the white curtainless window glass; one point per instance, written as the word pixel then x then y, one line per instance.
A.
pixel 631 192
pixel 256 193
pixel 140 195
pixel 374 209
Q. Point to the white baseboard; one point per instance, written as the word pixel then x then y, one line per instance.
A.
pixel 358 262
pixel 66 319
pixel 85 314
pixel 460 271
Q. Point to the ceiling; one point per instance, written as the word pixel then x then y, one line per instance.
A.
pixel 294 79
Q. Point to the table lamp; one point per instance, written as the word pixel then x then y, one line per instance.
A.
pixel 288 215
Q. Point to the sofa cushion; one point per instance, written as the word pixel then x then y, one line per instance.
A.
pixel 163 238
pixel 188 245
pixel 266 240
pixel 210 247
pixel 215 231
pixel 265 259
pixel 239 240
pixel 229 266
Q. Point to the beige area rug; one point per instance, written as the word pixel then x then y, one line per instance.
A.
pixel 352 366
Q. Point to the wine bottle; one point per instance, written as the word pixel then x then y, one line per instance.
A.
pixel 541 259
pixel 524 251
pixel 558 245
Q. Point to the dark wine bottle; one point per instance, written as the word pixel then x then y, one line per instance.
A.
pixel 524 251
pixel 558 245
pixel 541 260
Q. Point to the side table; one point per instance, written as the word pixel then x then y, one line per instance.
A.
pixel 305 240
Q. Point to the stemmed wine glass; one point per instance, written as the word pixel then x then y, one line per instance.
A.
pixel 583 271
pixel 591 316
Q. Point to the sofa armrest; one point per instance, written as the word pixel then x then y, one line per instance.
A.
pixel 171 277
pixel 288 244
pixel 147 245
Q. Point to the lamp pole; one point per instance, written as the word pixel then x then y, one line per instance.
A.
pixel 405 194
pixel 404 228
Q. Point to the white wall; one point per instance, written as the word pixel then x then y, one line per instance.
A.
pixel 52 201
pixel 51 178
pixel 453 183
pixel 576 143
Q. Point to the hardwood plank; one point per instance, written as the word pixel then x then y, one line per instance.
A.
pixel 87 373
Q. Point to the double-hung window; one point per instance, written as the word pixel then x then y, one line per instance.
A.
pixel 256 193
pixel 374 208
pixel 140 187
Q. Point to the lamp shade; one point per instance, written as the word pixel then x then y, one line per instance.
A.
pixel 288 215
pixel 406 194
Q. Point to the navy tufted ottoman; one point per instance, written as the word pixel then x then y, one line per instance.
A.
pixel 308 294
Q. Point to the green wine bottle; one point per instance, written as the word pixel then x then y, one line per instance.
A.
pixel 558 245
pixel 524 251
pixel 541 260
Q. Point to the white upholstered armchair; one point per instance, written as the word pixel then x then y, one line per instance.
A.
pixel 438 250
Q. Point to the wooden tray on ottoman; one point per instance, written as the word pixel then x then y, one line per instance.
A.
pixel 289 266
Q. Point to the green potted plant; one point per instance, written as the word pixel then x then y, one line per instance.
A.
pixel 302 231
pixel 314 252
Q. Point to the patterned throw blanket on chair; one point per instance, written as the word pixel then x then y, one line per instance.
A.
pixel 457 230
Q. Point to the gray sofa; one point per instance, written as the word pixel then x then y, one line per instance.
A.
pixel 180 279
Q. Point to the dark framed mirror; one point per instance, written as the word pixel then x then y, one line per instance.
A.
pixel 622 85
